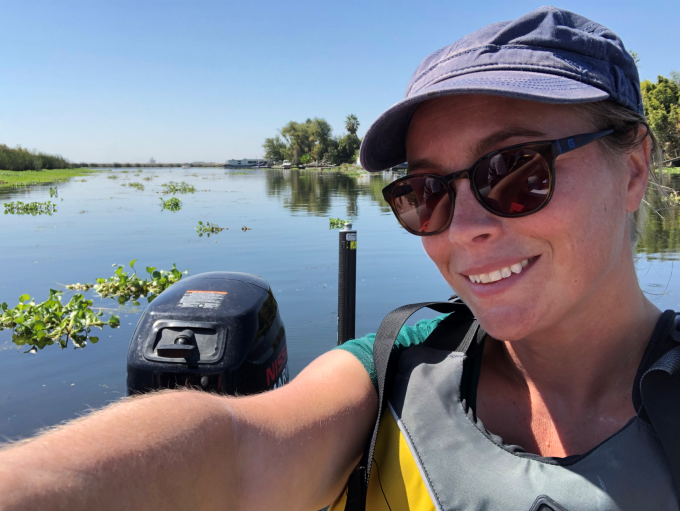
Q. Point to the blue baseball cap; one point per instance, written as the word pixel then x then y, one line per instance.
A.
pixel 549 55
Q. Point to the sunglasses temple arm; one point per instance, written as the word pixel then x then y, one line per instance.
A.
pixel 564 145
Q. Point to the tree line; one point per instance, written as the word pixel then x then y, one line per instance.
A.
pixel 662 108
pixel 20 159
pixel 313 140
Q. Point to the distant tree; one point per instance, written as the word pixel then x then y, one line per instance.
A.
pixel 20 159
pixel 662 108
pixel 274 148
pixel 352 124
pixel 675 76
pixel 314 138
pixel 636 59
pixel 347 147
pixel 305 158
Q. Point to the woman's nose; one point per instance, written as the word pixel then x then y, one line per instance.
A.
pixel 471 222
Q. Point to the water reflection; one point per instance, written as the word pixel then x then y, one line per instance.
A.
pixel 660 238
pixel 313 191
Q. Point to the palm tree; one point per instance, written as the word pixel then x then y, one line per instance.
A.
pixel 352 124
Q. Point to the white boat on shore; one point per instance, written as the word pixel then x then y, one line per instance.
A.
pixel 286 164
pixel 245 163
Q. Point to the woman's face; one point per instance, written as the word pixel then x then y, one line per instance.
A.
pixel 570 253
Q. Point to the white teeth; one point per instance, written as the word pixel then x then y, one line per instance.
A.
pixel 497 275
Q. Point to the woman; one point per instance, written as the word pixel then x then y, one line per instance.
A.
pixel 540 250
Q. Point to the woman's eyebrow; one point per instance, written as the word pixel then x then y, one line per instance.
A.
pixel 421 164
pixel 488 143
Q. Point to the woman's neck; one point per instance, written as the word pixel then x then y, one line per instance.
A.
pixel 596 348
pixel 568 387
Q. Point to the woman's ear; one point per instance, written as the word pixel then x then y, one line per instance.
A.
pixel 637 162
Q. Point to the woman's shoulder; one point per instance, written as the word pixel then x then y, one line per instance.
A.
pixel 410 335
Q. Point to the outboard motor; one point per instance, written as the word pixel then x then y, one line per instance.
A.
pixel 218 331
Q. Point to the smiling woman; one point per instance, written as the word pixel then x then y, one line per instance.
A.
pixel 549 383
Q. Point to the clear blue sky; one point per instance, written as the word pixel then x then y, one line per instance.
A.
pixel 103 81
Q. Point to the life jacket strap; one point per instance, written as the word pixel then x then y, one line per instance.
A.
pixel 660 392
pixel 383 354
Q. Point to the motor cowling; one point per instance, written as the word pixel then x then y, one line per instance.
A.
pixel 217 331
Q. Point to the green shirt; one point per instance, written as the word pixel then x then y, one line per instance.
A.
pixel 362 348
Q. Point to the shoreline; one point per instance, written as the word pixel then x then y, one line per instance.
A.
pixel 19 179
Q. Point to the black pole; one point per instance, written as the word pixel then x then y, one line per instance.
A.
pixel 347 284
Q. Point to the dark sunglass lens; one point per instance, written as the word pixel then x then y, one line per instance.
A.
pixel 514 182
pixel 423 204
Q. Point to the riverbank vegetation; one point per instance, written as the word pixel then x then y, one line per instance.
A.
pixel 661 101
pixel 313 140
pixel 20 159
pixel 13 179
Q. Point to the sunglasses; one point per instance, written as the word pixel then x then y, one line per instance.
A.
pixel 511 182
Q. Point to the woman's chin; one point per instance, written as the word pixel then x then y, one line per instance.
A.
pixel 507 323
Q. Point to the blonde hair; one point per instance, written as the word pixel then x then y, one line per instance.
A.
pixel 627 136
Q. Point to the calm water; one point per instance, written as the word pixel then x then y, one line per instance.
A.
pixel 99 223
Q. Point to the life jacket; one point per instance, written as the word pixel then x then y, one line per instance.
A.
pixel 430 452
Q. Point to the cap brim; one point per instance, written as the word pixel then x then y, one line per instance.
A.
pixel 384 144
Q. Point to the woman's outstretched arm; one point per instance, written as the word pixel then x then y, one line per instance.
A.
pixel 292 448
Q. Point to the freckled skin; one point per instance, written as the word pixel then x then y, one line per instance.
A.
pixel 573 328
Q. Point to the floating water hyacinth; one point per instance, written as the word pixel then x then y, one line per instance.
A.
pixel 42 324
pixel 183 187
pixel 208 228
pixel 337 223
pixel 125 287
pixel 173 204
pixel 30 208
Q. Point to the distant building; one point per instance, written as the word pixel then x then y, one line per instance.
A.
pixel 152 161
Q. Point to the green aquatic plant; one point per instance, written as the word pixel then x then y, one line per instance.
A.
pixel 125 287
pixel 54 192
pixel 337 223
pixel 147 178
pixel 138 186
pixel 41 324
pixel 208 228
pixel 112 176
pixel 182 187
pixel 173 204
pixel 13 179
pixel 30 208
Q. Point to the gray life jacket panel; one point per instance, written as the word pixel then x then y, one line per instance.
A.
pixel 430 390
pixel 465 469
